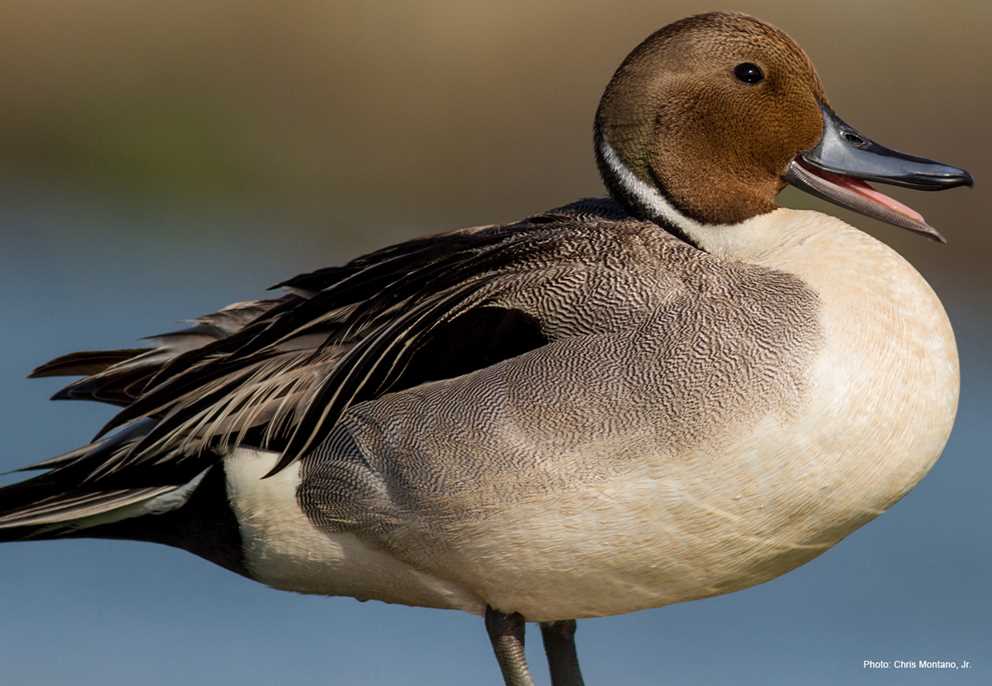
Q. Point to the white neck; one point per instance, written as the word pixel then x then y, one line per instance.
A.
pixel 659 207
pixel 648 196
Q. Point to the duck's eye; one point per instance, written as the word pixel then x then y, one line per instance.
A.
pixel 748 72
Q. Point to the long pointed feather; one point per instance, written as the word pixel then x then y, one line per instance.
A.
pixel 85 363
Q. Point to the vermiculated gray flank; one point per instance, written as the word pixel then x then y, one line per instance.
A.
pixel 680 348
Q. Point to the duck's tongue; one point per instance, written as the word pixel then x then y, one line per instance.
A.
pixel 839 166
pixel 863 189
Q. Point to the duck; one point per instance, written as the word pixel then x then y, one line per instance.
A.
pixel 679 391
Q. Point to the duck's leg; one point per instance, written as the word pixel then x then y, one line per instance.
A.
pixel 507 635
pixel 559 645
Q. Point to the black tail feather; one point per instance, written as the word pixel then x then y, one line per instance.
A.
pixel 205 525
pixel 85 363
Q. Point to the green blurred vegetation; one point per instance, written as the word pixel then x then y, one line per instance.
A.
pixel 427 113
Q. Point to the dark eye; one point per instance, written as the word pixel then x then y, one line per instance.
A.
pixel 748 72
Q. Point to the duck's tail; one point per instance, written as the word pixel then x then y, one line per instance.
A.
pixel 178 503
pixel 194 516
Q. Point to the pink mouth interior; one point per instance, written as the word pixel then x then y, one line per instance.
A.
pixel 863 189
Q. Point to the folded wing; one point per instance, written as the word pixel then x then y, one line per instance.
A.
pixel 277 374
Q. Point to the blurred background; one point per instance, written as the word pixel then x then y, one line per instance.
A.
pixel 159 160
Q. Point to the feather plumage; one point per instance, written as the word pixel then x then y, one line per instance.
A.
pixel 278 373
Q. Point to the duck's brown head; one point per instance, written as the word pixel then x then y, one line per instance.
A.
pixel 708 118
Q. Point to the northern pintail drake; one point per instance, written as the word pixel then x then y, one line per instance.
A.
pixel 619 404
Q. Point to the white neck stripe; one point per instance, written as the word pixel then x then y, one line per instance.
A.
pixel 706 236
pixel 649 196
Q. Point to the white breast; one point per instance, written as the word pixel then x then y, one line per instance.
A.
pixel 882 393
pixel 885 388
